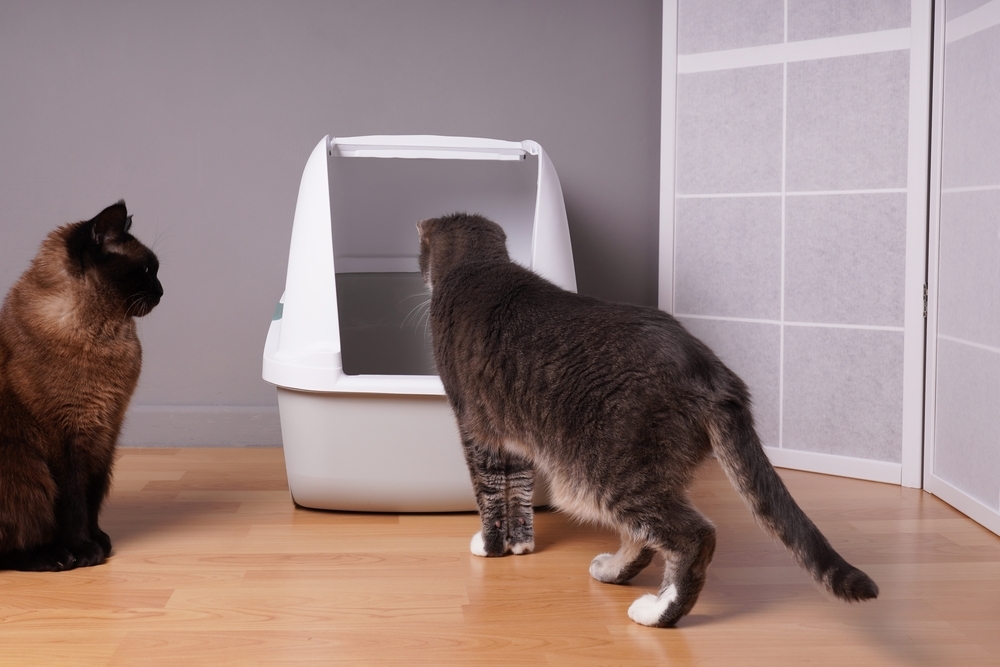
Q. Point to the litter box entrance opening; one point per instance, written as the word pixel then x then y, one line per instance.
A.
pixel 383 324
pixel 375 203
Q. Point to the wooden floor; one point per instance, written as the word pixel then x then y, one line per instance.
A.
pixel 213 565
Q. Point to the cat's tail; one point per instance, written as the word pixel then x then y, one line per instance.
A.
pixel 739 450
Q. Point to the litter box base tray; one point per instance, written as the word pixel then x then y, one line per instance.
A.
pixel 373 452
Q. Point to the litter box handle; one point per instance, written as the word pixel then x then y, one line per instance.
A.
pixel 427 146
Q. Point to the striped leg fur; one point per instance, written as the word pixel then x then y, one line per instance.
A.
pixel 520 513
pixel 503 483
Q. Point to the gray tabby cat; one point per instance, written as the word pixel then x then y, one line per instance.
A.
pixel 616 404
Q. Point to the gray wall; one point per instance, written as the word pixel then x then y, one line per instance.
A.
pixel 202 114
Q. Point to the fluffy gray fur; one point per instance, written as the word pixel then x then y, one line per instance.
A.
pixel 617 405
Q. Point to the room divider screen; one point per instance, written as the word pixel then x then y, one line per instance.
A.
pixel 794 217
pixel 962 457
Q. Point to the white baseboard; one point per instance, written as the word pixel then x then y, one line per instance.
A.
pixel 258 426
pixel 988 517
pixel 201 426
pixel 841 466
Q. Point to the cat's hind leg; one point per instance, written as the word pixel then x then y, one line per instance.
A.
pixel 27 513
pixel 520 513
pixel 687 541
pixel 621 567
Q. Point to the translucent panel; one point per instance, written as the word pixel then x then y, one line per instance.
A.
pixel 843 392
pixel 719 25
pixel 846 122
pixel 752 351
pixel 729 131
pixel 956 8
pixel 969 273
pixel 728 258
pixel 971 134
pixel 814 19
pixel 845 258
pixel 967 429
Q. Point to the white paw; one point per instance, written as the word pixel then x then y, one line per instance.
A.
pixel 522 548
pixel 599 568
pixel 478 546
pixel 649 609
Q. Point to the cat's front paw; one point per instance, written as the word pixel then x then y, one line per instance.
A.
pixel 103 540
pixel 520 536
pixel 490 546
pixel 521 548
pixel 88 553
pixel 478 546
pixel 654 610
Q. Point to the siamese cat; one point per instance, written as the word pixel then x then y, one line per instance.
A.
pixel 69 363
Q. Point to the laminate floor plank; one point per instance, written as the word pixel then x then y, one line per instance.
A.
pixel 214 565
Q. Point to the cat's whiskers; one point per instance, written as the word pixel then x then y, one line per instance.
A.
pixel 427 323
pixel 418 295
pixel 425 304
pixel 124 307
pixel 159 236
pixel 133 304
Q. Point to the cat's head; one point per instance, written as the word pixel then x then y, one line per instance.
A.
pixel 459 238
pixel 102 250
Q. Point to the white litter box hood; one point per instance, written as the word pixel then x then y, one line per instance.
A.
pixel 367 440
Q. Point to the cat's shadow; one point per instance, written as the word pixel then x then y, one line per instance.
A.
pixel 555 530
pixel 131 521
pixel 725 602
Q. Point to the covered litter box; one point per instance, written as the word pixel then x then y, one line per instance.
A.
pixel 364 418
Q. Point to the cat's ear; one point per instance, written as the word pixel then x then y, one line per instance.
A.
pixel 112 222
pixel 422 227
